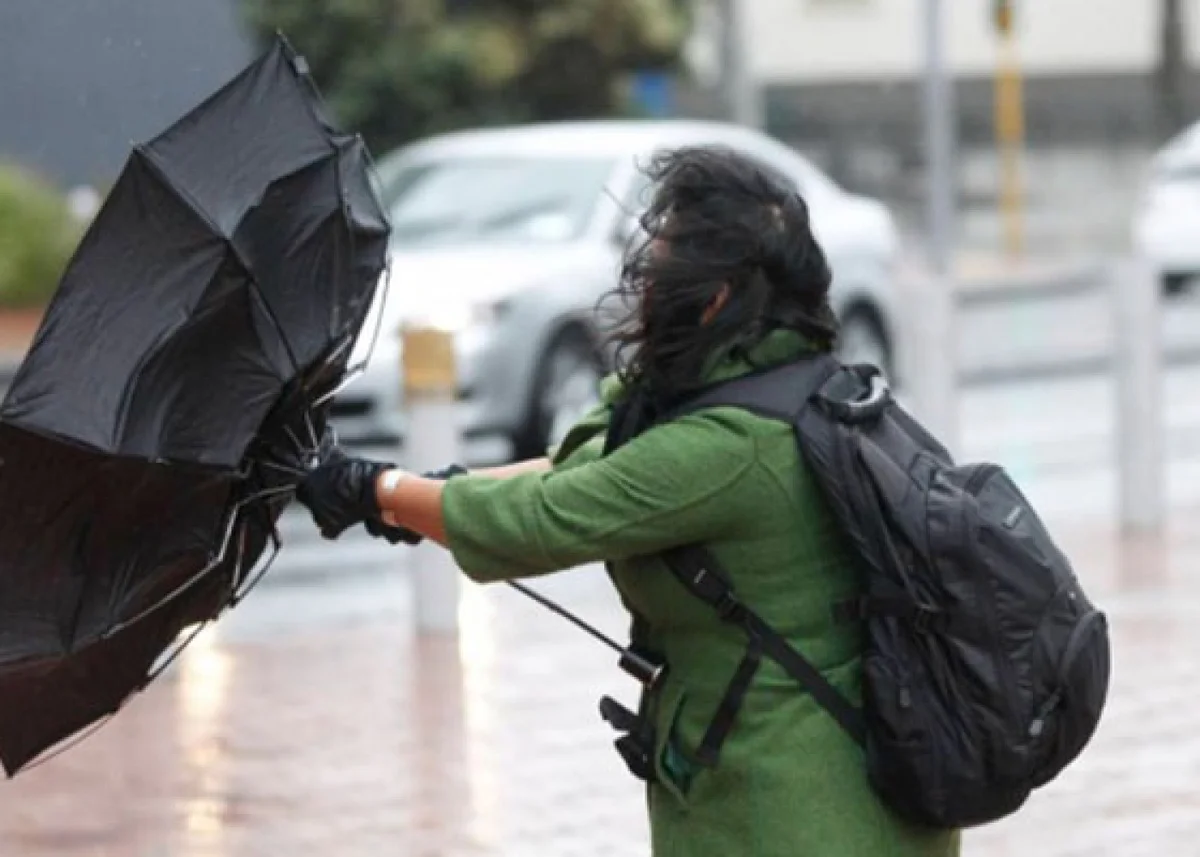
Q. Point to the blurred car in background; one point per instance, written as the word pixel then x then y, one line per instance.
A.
pixel 509 238
pixel 1166 227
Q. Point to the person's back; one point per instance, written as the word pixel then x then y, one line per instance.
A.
pixel 788 779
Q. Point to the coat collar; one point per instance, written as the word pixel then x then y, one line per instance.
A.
pixel 778 346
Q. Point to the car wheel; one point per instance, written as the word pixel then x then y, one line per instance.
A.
pixel 862 340
pixel 568 386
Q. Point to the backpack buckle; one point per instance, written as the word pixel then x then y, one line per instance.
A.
pixel 728 607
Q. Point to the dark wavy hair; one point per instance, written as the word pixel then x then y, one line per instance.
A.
pixel 718 221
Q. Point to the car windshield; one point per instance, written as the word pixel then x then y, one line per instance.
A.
pixel 486 199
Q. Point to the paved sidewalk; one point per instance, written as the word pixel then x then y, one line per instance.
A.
pixel 308 728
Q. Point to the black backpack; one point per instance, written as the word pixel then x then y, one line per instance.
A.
pixel 986 667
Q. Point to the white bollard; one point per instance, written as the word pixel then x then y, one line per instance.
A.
pixel 1137 362
pixel 930 365
pixel 431 442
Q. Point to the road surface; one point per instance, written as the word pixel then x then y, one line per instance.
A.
pixel 313 721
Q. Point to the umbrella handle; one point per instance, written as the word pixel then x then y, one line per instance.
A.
pixel 645 671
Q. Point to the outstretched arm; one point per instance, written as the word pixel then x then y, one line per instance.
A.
pixel 533 465
pixel 412 502
pixel 675 484
pixel 419 499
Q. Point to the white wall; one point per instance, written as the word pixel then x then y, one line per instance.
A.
pixel 846 40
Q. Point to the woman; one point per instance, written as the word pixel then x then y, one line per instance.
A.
pixel 730 279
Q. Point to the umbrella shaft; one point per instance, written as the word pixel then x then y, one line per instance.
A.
pixel 635 665
pixel 568 615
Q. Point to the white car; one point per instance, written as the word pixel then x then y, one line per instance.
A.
pixel 1166 228
pixel 510 237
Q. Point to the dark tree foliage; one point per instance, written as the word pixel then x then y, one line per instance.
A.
pixel 398 70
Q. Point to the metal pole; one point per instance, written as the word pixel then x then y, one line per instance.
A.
pixel 933 368
pixel 431 441
pixel 939 140
pixel 743 96
pixel 1010 135
pixel 1141 473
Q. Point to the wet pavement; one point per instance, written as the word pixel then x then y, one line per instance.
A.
pixel 312 720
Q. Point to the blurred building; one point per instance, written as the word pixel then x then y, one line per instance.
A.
pixel 841 78
pixel 84 79
pixel 1089 65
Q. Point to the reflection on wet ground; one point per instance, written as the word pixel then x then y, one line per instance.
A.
pixel 312 721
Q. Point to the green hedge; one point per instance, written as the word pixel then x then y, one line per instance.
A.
pixel 37 237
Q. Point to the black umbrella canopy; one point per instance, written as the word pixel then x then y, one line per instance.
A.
pixel 232 251
pixel 151 437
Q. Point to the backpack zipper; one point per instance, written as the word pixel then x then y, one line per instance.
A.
pixel 1075 641
pixel 1038 725
pixel 1074 645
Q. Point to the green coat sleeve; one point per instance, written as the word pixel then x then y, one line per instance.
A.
pixel 673 485
pixel 584 442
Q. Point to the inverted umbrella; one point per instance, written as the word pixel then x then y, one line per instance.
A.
pixel 151 437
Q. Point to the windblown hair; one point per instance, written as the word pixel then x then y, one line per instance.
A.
pixel 717 219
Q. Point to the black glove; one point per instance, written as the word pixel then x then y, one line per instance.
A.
pixel 445 473
pixel 395 535
pixel 340 491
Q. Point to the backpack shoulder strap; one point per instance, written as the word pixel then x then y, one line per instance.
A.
pixel 780 393
pixel 700 573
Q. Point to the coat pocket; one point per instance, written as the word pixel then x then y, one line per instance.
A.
pixel 674 762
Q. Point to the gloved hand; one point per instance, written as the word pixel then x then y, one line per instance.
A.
pixel 340 491
pixel 394 535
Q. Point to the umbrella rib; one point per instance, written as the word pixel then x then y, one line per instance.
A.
pixel 84 734
pixel 199 211
pixel 172 658
pixel 233 271
pixel 164 176
pixel 73 741
pixel 213 563
pixel 84 534
pixel 283 468
pixel 193 204
pixel 237 596
pixel 354 372
pixel 256 291
pixel 208 569
pixel 256 288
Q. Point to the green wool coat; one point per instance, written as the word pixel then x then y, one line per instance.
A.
pixel 788 781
